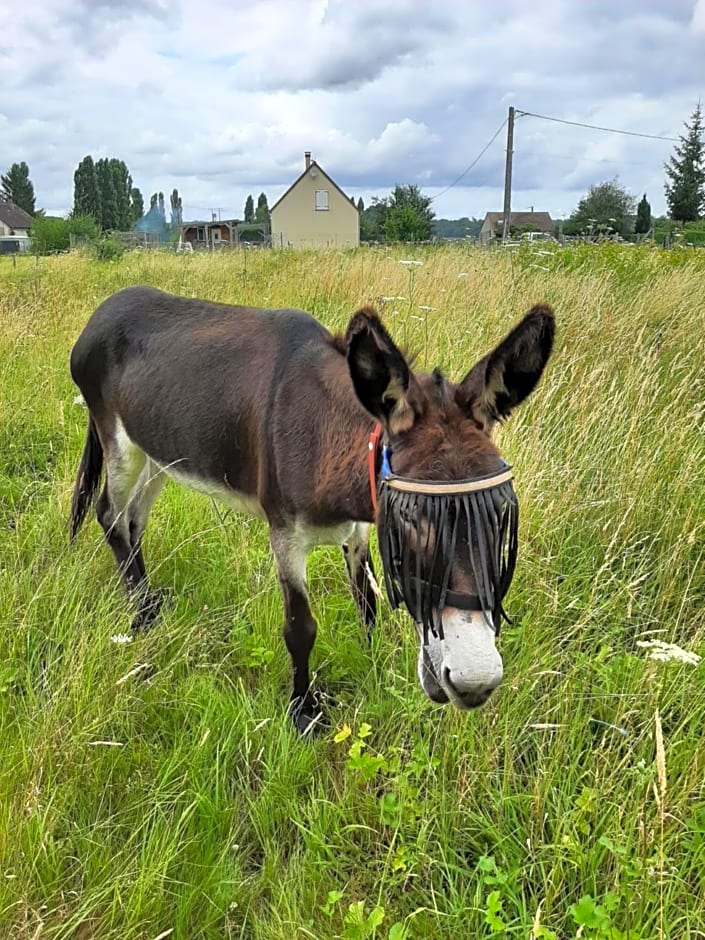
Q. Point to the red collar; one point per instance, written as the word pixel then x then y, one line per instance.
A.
pixel 372 446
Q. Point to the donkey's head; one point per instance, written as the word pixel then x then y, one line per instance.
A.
pixel 447 515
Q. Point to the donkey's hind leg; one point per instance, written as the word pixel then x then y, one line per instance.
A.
pixel 149 485
pixel 361 574
pixel 144 494
pixel 124 463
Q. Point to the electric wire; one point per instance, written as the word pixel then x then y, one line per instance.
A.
pixel 594 127
pixel 474 162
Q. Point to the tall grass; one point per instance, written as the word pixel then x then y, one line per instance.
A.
pixel 155 788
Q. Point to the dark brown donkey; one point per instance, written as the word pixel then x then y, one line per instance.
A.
pixel 268 411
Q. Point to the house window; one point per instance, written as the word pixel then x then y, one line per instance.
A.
pixel 321 200
pixel 200 234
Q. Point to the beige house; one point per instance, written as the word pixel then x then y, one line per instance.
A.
pixel 314 212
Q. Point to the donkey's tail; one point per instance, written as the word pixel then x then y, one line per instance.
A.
pixel 88 478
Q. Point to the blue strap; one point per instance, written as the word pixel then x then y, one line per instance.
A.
pixel 386 468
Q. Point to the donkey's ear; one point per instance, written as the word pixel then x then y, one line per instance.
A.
pixel 503 379
pixel 380 373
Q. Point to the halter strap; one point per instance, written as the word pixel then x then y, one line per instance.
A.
pixel 372 446
pixel 455 488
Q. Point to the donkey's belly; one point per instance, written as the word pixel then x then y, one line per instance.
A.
pixel 234 499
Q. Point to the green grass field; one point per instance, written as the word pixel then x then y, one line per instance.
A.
pixel 155 788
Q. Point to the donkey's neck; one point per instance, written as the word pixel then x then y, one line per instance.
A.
pixel 334 450
pixel 342 478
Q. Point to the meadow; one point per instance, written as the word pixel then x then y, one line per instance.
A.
pixel 154 788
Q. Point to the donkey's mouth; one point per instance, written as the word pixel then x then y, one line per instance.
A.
pixel 429 682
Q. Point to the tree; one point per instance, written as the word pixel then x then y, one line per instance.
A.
pixel 49 233
pixel 607 204
pixel 86 191
pixel 249 209
pixel 406 225
pixel 136 204
pixel 373 220
pixel 457 228
pixel 109 211
pixel 122 185
pixel 406 216
pixel 262 210
pixel 360 205
pixel 643 216
pixel 16 186
pixel 177 215
pixel 685 172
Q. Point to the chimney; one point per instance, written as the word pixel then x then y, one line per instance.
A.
pixel 307 158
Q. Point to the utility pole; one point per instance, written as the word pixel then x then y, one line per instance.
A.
pixel 508 175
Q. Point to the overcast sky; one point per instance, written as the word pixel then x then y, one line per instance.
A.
pixel 221 98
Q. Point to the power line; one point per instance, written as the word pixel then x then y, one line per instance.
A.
pixel 571 158
pixel 595 127
pixel 474 162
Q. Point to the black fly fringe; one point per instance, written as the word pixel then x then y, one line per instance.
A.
pixel 421 534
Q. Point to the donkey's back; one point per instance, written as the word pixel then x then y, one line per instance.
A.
pixel 195 385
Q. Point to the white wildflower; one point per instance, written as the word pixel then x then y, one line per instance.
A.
pixel 463 274
pixel 79 400
pixel 668 652
pixel 390 299
pixel 411 261
pixel 424 307
pixel 121 638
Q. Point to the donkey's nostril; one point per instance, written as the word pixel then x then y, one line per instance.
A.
pixel 468 695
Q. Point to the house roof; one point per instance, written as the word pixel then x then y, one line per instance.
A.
pixel 301 176
pixel 201 222
pixel 542 220
pixel 13 216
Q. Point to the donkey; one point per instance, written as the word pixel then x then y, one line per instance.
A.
pixel 271 413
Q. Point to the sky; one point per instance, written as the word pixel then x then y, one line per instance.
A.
pixel 220 98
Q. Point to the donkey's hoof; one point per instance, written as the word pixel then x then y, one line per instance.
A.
pixel 148 613
pixel 308 715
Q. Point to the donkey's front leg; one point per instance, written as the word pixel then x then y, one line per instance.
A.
pixel 299 625
pixel 361 574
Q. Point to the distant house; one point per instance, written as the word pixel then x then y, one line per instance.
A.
pixel 212 234
pixel 314 212
pixel 221 234
pixel 14 228
pixel 527 221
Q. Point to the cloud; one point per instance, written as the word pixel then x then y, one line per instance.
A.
pixel 222 98
pixel 698 21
